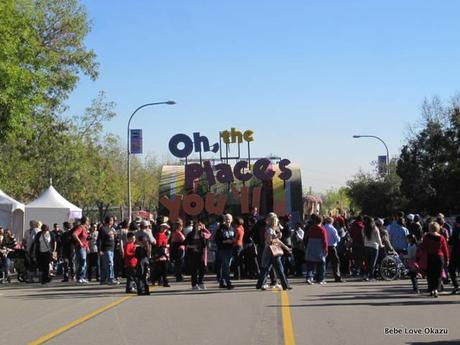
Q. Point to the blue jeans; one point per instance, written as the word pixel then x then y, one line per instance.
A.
pixel 320 269
pixel 81 261
pixel 275 262
pixel 107 273
pixel 6 263
pixel 226 256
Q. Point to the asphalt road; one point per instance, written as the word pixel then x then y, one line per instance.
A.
pixel 351 313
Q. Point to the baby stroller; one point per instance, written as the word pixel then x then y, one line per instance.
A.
pixel 20 263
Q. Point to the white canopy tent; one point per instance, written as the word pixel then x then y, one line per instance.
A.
pixel 11 215
pixel 51 207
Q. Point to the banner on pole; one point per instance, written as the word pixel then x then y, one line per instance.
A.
pixel 382 164
pixel 136 141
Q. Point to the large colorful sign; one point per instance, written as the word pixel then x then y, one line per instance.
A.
pixel 194 188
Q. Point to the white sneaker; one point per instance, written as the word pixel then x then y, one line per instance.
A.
pixel 276 286
pixel 82 281
pixel 201 286
pixel 322 282
pixel 196 288
pixel 264 287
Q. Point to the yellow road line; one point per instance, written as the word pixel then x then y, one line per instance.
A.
pixel 288 330
pixel 75 323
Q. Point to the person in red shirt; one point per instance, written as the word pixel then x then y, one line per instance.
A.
pixel 238 249
pixel 316 251
pixel 435 246
pixel 161 256
pixel 130 261
pixel 178 249
pixel 80 236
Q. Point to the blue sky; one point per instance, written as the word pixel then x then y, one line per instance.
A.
pixel 304 75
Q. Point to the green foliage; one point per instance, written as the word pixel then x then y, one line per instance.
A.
pixel 145 183
pixel 429 164
pixel 376 195
pixel 334 199
pixel 42 53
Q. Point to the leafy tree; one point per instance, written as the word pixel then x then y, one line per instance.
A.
pixel 429 163
pixel 42 53
pixel 145 183
pixel 376 195
pixel 334 199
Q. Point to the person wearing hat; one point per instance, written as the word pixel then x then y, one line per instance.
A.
pixel 161 255
pixel 142 254
pixel 144 233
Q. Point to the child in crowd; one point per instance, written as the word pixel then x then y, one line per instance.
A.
pixel 130 263
pixel 142 253
pixel 161 255
pixel 411 261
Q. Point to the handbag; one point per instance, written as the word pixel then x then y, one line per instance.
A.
pixel 276 250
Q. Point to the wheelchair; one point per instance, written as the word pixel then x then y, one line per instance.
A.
pixel 392 267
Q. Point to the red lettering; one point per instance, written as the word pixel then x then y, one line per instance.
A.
pixel 193 204
pixel 173 206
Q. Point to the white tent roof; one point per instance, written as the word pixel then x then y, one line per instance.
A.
pixel 7 200
pixel 50 198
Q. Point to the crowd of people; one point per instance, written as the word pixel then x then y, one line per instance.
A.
pixel 269 248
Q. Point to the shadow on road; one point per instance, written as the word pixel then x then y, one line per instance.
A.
pixel 445 342
pixel 88 292
pixel 374 297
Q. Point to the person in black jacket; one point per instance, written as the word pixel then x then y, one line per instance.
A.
pixel 454 241
pixel 106 246
pixel 67 252
pixel 44 248
pixel 142 254
pixel 225 237
pixel 196 244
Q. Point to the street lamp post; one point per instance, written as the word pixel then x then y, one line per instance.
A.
pixel 386 147
pixel 129 151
